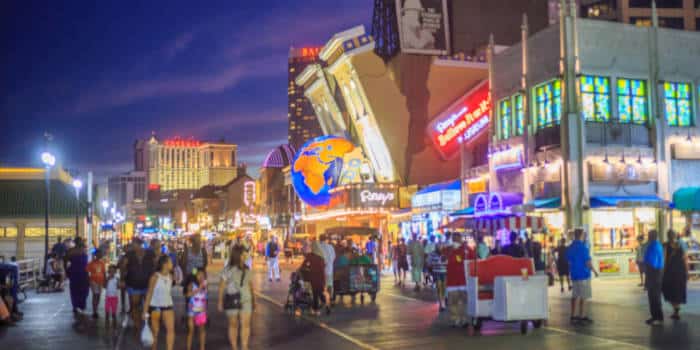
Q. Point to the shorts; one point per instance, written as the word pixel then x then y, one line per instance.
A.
pixel 159 308
pixel 581 289
pixel 440 276
pixel 136 291
pixel 403 265
pixel 329 280
pixel 111 303
pixel 96 288
pixel 246 308
pixel 640 266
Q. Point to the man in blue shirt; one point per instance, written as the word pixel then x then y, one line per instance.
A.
pixel 580 267
pixel 654 265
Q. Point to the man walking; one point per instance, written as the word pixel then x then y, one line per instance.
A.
pixel 271 252
pixel 654 266
pixel 329 258
pixel 417 260
pixel 580 266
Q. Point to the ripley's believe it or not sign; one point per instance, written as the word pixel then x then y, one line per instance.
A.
pixel 317 168
pixel 462 122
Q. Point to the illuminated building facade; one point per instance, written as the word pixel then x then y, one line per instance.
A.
pixel 303 124
pixel 178 164
pixel 275 196
pixel 599 130
pixel 675 14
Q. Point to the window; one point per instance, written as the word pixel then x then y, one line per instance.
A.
pixel 519 115
pixel 678 101
pixel 595 98
pixel 548 104
pixel 632 101
pixel 504 118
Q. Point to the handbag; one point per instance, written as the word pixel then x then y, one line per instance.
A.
pixel 233 301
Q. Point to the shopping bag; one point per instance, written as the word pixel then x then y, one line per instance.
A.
pixel 4 312
pixel 146 336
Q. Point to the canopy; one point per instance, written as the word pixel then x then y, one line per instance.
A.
pixel 547 203
pixel 510 223
pixel 463 212
pixel 627 202
pixel 687 199
pixel 443 186
pixel 460 223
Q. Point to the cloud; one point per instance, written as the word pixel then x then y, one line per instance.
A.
pixel 223 121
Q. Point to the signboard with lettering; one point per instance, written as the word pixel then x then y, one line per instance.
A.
pixel 423 26
pixel 462 122
pixel 374 196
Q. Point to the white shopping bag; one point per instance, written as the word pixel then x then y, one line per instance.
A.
pixel 146 335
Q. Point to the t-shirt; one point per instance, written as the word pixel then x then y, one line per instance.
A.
pixel 455 266
pixel 96 269
pixel 369 247
pixel 438 262
pixel 272 250
pixel 112 287
pixel 579 255
pixel 654 256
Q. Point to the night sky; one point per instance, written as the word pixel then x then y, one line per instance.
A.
pixel 100 74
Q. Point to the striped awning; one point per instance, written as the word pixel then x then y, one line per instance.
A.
pixel 509 223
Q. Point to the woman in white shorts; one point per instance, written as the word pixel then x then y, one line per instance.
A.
pixel 236 280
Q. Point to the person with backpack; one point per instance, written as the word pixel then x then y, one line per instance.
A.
pixel 271 252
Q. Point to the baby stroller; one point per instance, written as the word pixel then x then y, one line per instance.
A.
pixel 299 296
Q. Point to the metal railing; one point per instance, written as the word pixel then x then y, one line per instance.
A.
pixel 29 272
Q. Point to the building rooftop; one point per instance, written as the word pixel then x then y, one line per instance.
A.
pixel 25 199
pixel 279 157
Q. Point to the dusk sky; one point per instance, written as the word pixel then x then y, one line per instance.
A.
pixel 98 75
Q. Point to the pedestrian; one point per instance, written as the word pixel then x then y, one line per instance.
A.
pixel 438 261
pixel 562 263
pixel 456 282
pixel 329 260
pixel 313 271
pixel 121 266
pixel 675 279
pixel 371 249
pixel 497 248
pixel 271 256
pixel 654 265
pixel 197 309
pixel 417 261
pixel 515 248
pixel 482 250
pixel 136 271
pixel 581 266
pixel 111 295
pixel 97 271
pixel 402 260
pixel 59 249
pixel 639 257
pixel 236 298
pixel 54 272
pixel 159 299
pixel 533 250
pixel 78 276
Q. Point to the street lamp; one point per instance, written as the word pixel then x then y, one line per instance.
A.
pixel 49 160
pixel 77 184
pixel 105 205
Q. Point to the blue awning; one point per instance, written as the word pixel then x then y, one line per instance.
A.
pixel 687 199
pixel 443 186
pixel 627 202
pixel 463 212
pixel 547 203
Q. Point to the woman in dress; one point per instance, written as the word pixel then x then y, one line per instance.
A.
pixel 159 299
pixel 236 280
pixel 675 278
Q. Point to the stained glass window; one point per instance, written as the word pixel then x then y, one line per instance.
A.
pixel 595 98
pixel 548 104
pixel 678 102
pixel 519 115
pixel 505 113
pixel 632 101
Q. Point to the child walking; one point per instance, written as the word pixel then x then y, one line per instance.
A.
pixel 111 295
pixel 96 270
pixel 197 309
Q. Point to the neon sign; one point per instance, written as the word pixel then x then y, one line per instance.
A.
pixel 462 122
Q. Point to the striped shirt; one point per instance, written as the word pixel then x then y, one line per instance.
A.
pixel 438 262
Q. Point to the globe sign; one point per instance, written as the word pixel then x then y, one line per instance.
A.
pixel 317 166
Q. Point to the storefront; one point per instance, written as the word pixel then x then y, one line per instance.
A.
pixel 432 205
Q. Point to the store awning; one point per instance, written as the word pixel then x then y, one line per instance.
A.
pixel 460 223
pixel 627 202
pixel 687 199
pixel 443 186
pixel 510 223
pixel 547 203
pixel 463 212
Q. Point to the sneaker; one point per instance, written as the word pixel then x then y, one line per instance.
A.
pixel 653 322
pixel 585 320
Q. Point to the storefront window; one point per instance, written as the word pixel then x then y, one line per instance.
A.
pixel 519 115
pixel 632 101
pixel 548 104
pixel 8 232
pixel 504 118
pixel 618 229
pixel 595 98
pixel 53 231
pixel 678 102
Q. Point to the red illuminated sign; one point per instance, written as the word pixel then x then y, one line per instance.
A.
pixel 462 122
pixel 153 187
pixel 310 51
pixel 178 142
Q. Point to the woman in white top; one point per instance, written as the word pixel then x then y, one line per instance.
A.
pixel 160 302
pixel 236 280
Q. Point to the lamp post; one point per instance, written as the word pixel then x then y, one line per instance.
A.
pixel 77 184
pixel 49 161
